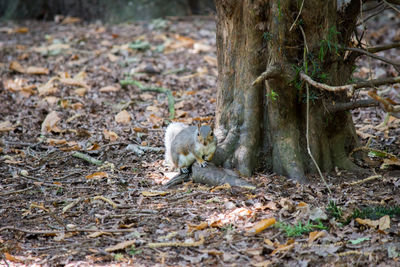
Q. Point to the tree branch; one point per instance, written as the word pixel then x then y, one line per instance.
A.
pixel 349 87
pixel 352 105
pixel 378 48
pixel 396 65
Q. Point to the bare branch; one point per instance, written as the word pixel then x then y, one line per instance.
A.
pixel 349 87
pixel 390 2
pixel 396 65
pixel 378 48
pixel 352 105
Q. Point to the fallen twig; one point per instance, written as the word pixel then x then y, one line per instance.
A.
pixel 365 180
pixel 87 158
pixel 46 232
pixel 396 65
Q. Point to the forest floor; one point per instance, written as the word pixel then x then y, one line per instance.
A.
pixel 72 87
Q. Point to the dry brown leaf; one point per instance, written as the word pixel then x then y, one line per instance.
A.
pixel 80 76
pixel 21 30
pixel 199 47
pixel 123 117
pixel 12 258
pixel 180 113
pixel 110 135
pixel 120 246
pixel 97 175
pixel 6 126
pixel 48 88
pixel 261 225
pixel 146 96
pixel 314 236
pixel 50 123
pixel 51 99
pixel 36 70
pixel 140 130
pixel 76 106
pixel 210 60
pixel 97 234
pixel 153 109
pixel 201 226
pixel 383 223
pixel 110 88
pixel 112 57
pixel 81 91
pixel 54 142
pixel 70 20
pixel 16 66
pixel 289 245
pixel 155 120
pixel 74 82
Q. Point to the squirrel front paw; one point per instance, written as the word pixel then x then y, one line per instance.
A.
pixel 203 164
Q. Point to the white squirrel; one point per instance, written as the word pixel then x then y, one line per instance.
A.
pixel 186 144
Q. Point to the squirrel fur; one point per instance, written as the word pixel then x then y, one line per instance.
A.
pixel 186 144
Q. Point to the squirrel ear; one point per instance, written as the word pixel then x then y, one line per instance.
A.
pixel 212 122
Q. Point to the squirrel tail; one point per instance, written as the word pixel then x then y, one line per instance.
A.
pixel 172 131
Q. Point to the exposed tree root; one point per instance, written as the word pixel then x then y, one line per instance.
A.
pixel 210 175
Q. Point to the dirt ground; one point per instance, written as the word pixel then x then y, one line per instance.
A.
pixel 72 87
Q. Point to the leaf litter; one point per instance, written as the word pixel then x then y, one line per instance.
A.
pixel 81 163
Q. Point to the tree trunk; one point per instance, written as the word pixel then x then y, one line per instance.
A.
pixel 264 125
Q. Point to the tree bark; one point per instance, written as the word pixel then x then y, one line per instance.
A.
pixel 263 125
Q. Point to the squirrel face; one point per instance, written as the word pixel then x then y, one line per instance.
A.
pixel 205 135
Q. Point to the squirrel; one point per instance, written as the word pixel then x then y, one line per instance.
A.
pixel 186 144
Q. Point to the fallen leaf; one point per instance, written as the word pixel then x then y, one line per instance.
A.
pixel 6 126
pixel 21 30
pixel 74 82
pixel 50 123
pixel 121 245
pixel 384 223
pixel 12 258
pixel 70 20
pixel 289 245
pixel 97 175
pixel 51 99
pixel 53 142
pixel 314 236
pixel 123 117
pixel 201 226
pixel 81 91
pixel 48 88
pixel 15 66
pixel 199 47
pixel 108 89
pixel 36 70
pixel 262 225
pixel 110 135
